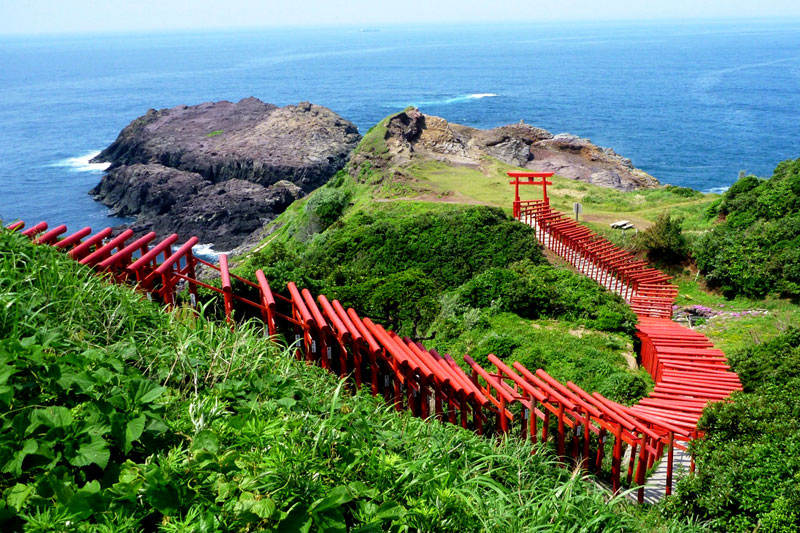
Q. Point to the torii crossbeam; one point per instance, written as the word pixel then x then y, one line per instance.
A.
pixel 530 176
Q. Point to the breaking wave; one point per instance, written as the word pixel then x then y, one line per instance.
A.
pixel 205 251
pixel 81 163
pixel 452 100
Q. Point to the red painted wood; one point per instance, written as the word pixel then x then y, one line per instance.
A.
pixel 688 371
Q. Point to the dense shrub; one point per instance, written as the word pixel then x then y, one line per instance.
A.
pixel 748 466
pixel 663 241
pixel 684 192
pixel 574 297
pixel 421 254
pixel 500 344
pixel 327 206
pixel 541 291
pixel 756 250
pixel 508 290
pixel 754 261
pixel 406 299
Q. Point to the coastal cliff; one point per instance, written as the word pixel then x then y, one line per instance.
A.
pixel 220 170
pixel 415 135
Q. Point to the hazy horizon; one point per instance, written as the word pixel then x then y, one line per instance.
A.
pixel 389 26
pixel 77 17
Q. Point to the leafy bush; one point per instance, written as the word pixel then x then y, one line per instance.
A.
pixel 406 299
pixel 327 205
pixel 502 288
pixel 684 192
pixel 572 297
pixel 754 252
pixel 713 209
pixel 372 250
pixel 748 466
pixel 500 344
pixel 753 261
pixel 663 241
pixel 537 291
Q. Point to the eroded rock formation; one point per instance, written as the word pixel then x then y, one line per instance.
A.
pixel 412 133
pixel 220 170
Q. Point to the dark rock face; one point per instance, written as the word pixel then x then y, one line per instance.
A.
pixel 147 189
pixel 167 200
pixel 579 159
pixel 221 170
pixel 412 133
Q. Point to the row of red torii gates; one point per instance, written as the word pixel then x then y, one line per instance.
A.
pixel 505 400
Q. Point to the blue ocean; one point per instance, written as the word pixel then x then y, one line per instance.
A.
pixel 692 103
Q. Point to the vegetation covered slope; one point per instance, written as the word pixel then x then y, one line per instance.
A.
pixel 391 262
pixel 748 466
pixel 467 278
pixel 117 416
pixel 412 242
pixel 756 249
pixel 404 176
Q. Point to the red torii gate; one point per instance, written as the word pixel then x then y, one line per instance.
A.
pixel 531 176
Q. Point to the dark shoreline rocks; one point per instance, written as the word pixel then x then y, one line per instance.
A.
pixel 221 170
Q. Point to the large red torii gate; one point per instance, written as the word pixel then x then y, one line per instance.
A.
pixel 530 176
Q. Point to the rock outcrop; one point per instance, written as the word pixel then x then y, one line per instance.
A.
pixel 414 134
pixel 221 170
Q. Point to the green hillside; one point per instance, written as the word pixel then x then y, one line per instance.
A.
pixel 755 249
pixel 524 309
pixel 423 246
pixel 118 416
pixel 466 278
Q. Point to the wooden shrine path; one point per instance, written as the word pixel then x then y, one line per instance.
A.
pixel 514 400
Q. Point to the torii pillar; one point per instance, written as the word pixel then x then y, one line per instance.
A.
pixel 530 177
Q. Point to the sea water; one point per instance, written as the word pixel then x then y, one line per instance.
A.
pixel 692 103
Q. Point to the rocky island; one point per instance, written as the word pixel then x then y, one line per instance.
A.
pixel 221 170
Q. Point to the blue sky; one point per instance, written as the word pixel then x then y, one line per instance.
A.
pixel 80 16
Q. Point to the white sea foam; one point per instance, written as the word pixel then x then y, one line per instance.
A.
pixel 717 190
pixel 452 100
pixel 81 163
pixel 205 251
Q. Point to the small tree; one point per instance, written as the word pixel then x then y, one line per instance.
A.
pixel 663 241
pixel 405 301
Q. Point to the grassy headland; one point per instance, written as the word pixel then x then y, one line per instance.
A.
pixel 321 241
pixel 465 277
pixel 120 417
pixel 482 315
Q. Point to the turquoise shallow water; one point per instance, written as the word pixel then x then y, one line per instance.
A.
pixel 691 103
